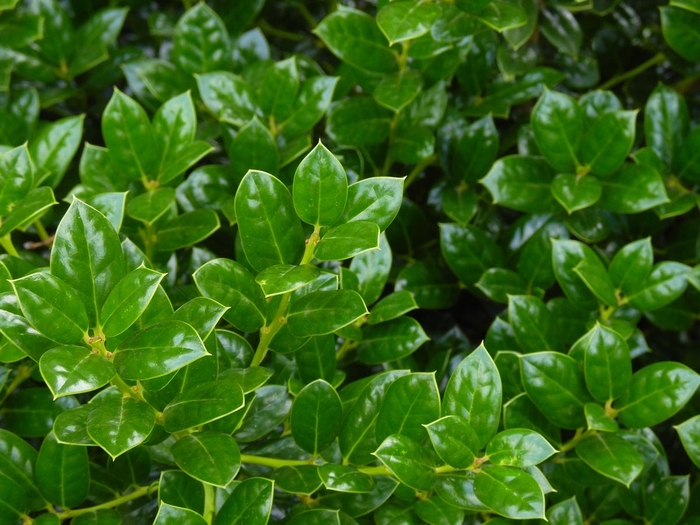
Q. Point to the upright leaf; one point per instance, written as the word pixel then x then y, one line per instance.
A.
pixel 316 416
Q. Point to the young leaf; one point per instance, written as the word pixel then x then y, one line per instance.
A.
pixel 407 461
pixel 208 456
pixel 474 393
pixel 320 188
pixel 518 448
pixel 269 228
pixel 454 441
pixel 119 424
pixel 510 492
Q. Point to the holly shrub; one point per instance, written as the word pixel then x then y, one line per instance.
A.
pixel 349 262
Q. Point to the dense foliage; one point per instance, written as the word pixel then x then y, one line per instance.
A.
pixel 336 262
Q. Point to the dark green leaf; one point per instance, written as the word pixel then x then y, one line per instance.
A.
pixel 62 473
pixel 348 240
pixel 270 230
pixel 200 42
pixel 283 278
pixel 228 97
pixel 253 147
pixel 250 503
pixel 454 441
pixel 666 282
pixel 119 424
pixel 324 312
pixel 608 142
pixel 74 369
pixel 521 183
pixel 87 254
pixel 158 350
pixel 353 36
pixel 406 19
pixel 52 307
pixel 209 457
pixel 398 90
pixel 611 456
pixel 557 122
pixel 359 121
pixel 279 89
pixel 474 393
pixel 510 492
pixel 518 448
pixel 554 382
pixel 150 206
pixel 202 404
pixel 408 461
pixel 656 393
pixel 316 416
pixel 468 251
pixel 576 193
pixel 392 306
pixel 391 340
pixel 320 188
pixel 232 285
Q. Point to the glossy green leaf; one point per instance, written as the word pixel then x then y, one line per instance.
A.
pixel 392 306
pixel 689 433
pixel 598 419
pixel 557 123
pixel 128 134
pixel 30 208
pixel 283 278
pixel 556 385
pixel 230 98
pixel 250 503
pixel 270 230
pixel 158 350
pixel 559 26
pixel 348 240
pixel 595 276
pixel 611 456
pixel 52 307
pixel 608 142
pixel 310 106
pixel 150 206
pixel 406 19
pixel 435 511
pixel 302 479
pixel 70 426
pixel 62 472
pixel 518 448
pixel 372 270
pixel 668 501
pixel 54 147
pixel 119 424
pixel 666 282
pixel 454 441
pixel 631 265
pixel 521 183
pixel 341 478
pixel 474 393
pixel 532 323
pixel 128 300
pixel 316 359
pixel 279 88
pixel 202 404
pixel 71 370
pixel 468 251
pixel 320 188
pixel 15 177
pixel 566 512
pixel 391 340
pixel 357 438
pixel 169 515
pixel 231 284
pixel 377 199
pixel 200 41
pixel 359 121
pixel 575 193
pixel 666 117
pixel 87 255
pixel 607 362
pixel 521 413
pixel 325 311
pixel 656 392
pixel 316 416
pixel 632 189
pixel 408 461
pixel 411 402
pixel 269 408
pixel 13 501
pixel 567 255
pixel 510 492
pixel 17 461
pixel 253 147
pixel 187 229
pixel 209 457
pixel 355 38
pixel 398 90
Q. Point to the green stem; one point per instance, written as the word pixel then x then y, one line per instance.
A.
pixel 139 492
pixel 24 372
pixel 381 470
pixel 307 15
pixel 344 349
pixel 656 59
pixel 209 503
pixel 6 243
pixel 268 332
pixel 272 31
pixel 580 434
pixel 41 231
pixel 684 85
pixel 271 462
pixel 418 169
